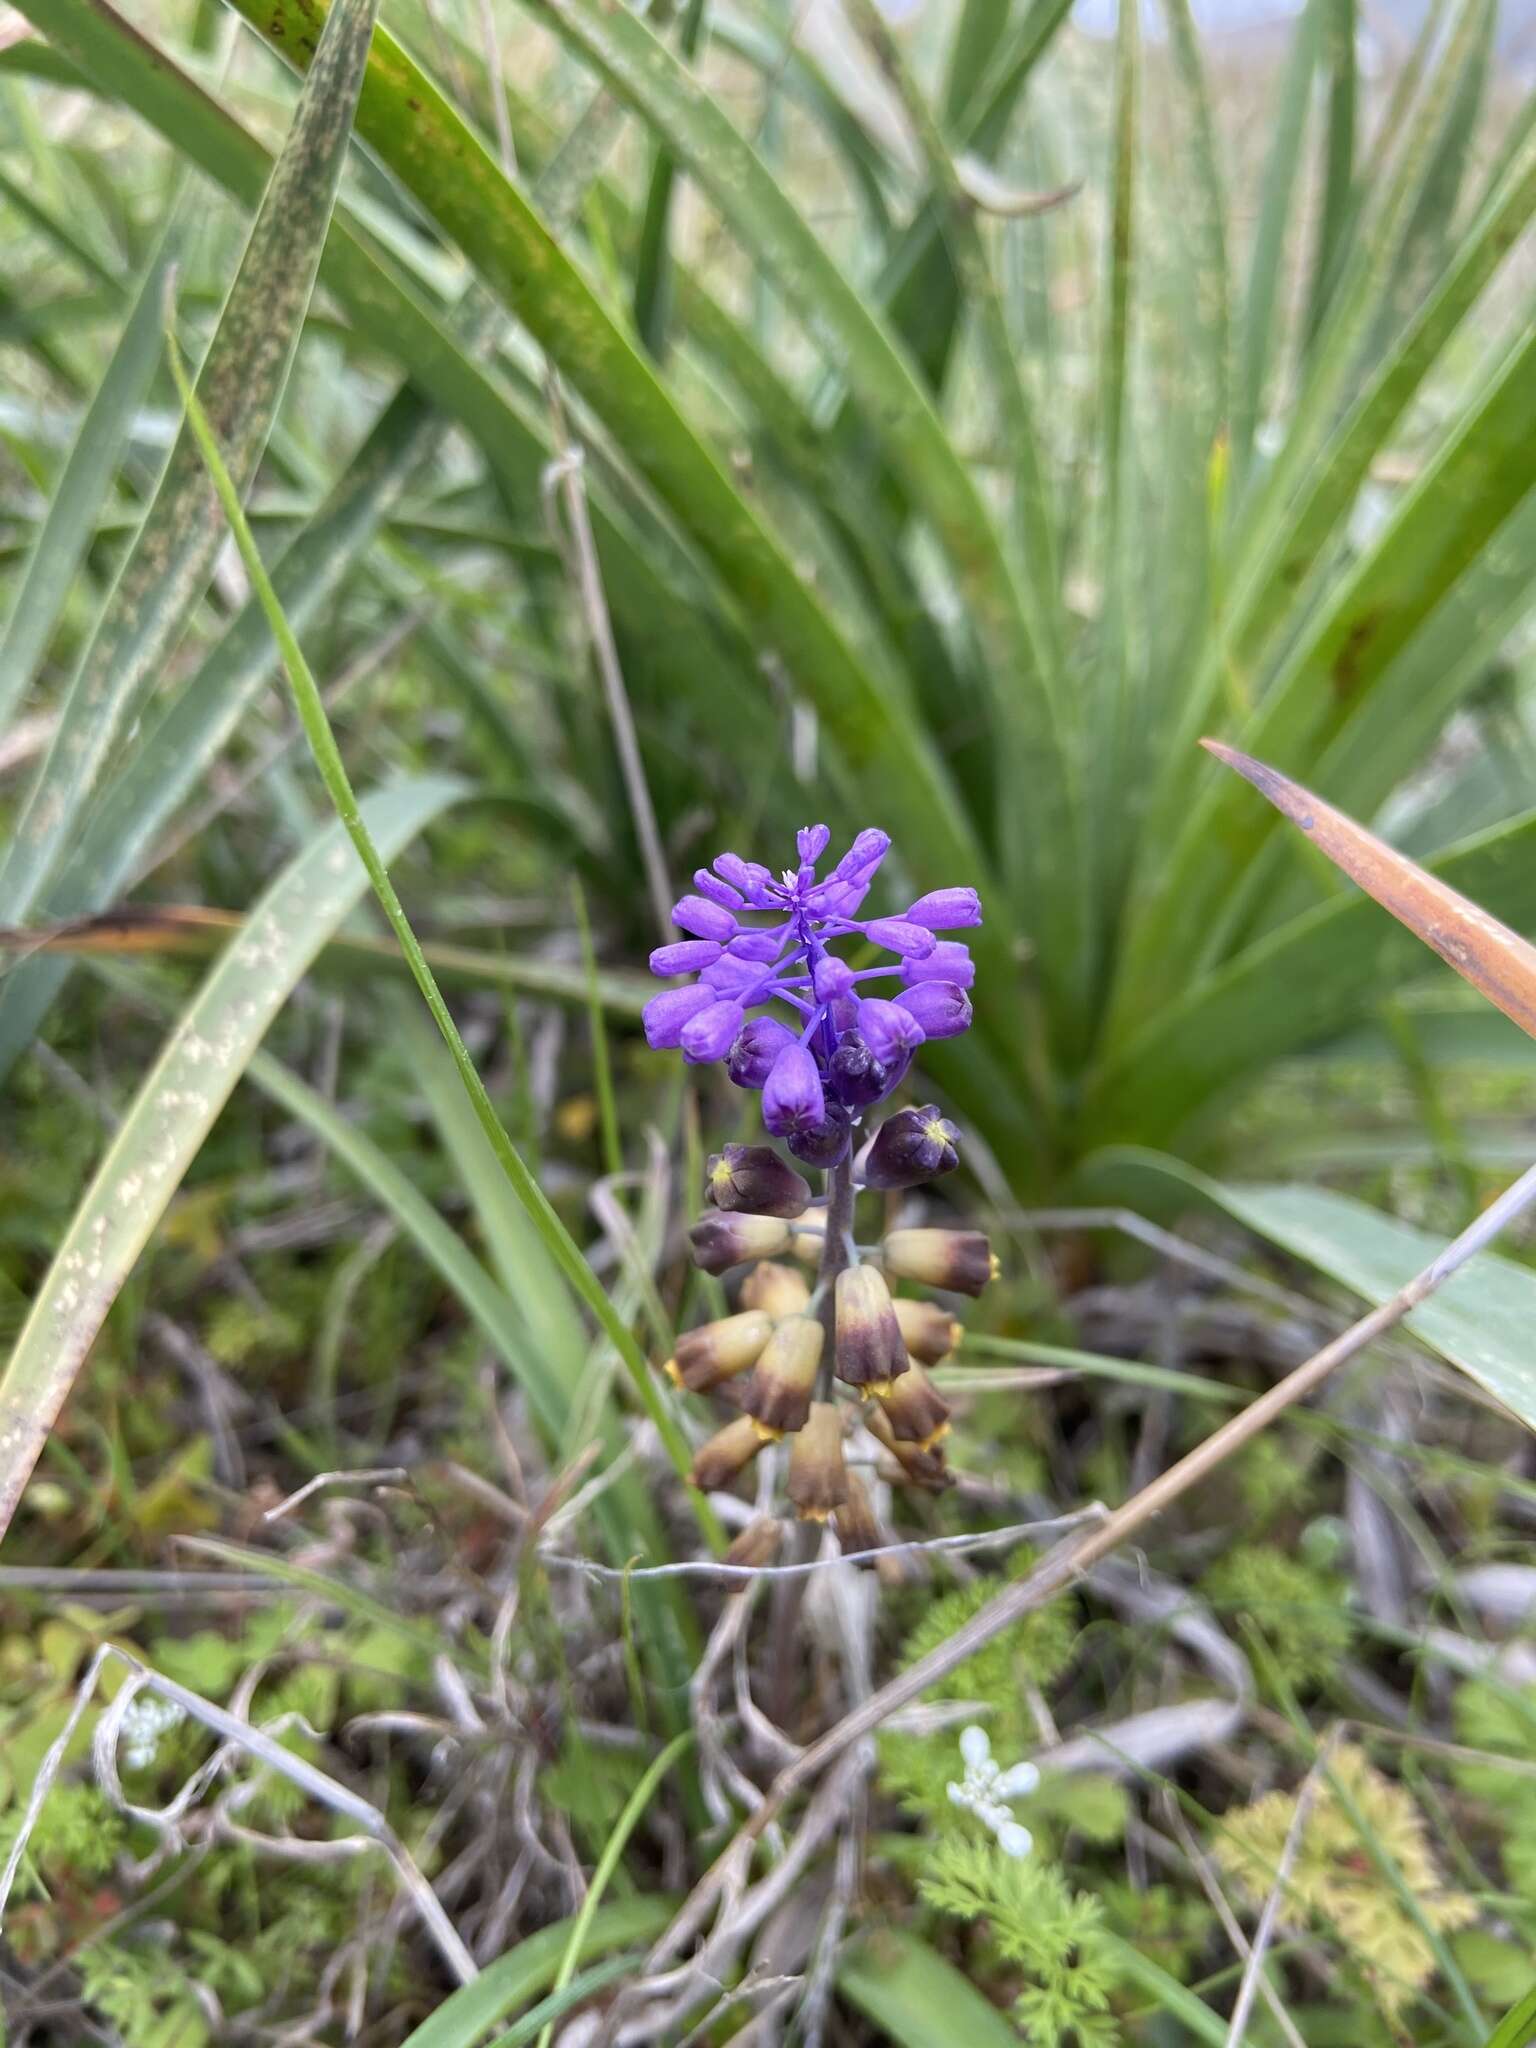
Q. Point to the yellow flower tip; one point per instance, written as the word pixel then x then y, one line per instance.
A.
pixel 672 1373
pixel 878 1390
pixel 934 1436
pixel 768 1434
pixel 997 1266
pixel 812 1514
pixel 936 1130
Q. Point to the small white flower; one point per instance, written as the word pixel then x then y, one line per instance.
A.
pixel 975 1747
pixel 986 1787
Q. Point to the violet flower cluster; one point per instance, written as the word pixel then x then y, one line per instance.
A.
pixel 774 999
pixel 755 942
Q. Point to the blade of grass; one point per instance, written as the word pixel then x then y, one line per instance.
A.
pixel 322 741
pixel 464 2019
pixel 608 1862
pixel 173 1111
pixel 652 267
pixel 84 485
pixel 241 380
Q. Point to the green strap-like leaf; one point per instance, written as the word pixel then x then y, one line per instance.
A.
pixel 240 382
pixel 1290 989
pixel 83 487
pixel 916 1998
pixel 175 1109
pixel 1480 1319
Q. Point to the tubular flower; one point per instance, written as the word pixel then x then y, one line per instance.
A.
pixel 961 1261
pixel 762 945
pixel 870 1353
pixel 818 1475
pixel 929 1332
pixel 917 1412
pixel 718 1351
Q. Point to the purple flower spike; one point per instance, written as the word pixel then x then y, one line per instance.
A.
pixel 774 1001
pixel 940 1009
pixel 793 1101
pixel 950 960
pixel 688 956
pixel 946 910
pixel 665 1015
pixel 710 1034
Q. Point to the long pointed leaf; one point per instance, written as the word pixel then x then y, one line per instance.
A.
pixel 241 382
pixel 83 486
pixel 173 1112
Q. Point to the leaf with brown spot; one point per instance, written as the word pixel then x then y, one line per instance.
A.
pixel 1498 962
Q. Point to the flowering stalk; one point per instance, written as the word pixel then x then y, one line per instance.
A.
pixel 772 998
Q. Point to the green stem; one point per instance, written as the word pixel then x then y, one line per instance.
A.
pixel 322 742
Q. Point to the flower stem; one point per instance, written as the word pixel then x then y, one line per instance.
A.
pixel 836 1254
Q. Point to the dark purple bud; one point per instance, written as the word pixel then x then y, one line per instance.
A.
pixel 755 1177
pixel 749 876
pixel 854 1076
pixel 824 1144
pixel 946 910
pixel 811 842
pixel 665 1015
pixel 830 979
pixel 704 919
pixel 792 1095
pixel 711 1034
pixel 717 891
pixel 760 1042
pixel 764 946
pixel 911 941
pixel 890 1030
pixel 940 1007
pixel 688 956
pixel 910 1147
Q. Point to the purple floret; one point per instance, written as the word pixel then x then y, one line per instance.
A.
pixel 784 1012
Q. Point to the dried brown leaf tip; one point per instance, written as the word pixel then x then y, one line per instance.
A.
pixel 1495 960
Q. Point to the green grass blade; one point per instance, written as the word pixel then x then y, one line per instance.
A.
pixel 1029 720
pixel 241 381
pixel 653 264
pixel 1480 1319
pixel 464 2019
pixel 171 760
pixel 1453 511
pixel 312 715
pixel 608 1862
pixel 918 1999
pixel 1339 33
pixel 625 1512
pixel 173 1112
pixel 1291 988
pixel 84 485
pixel 1290 547
pixel 1517 2029
pixel 1258 325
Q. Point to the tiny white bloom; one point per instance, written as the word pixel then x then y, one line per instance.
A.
pixel 958 1794
pixel 1014 1839
pixel 1017 1782
pixel 975 1746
